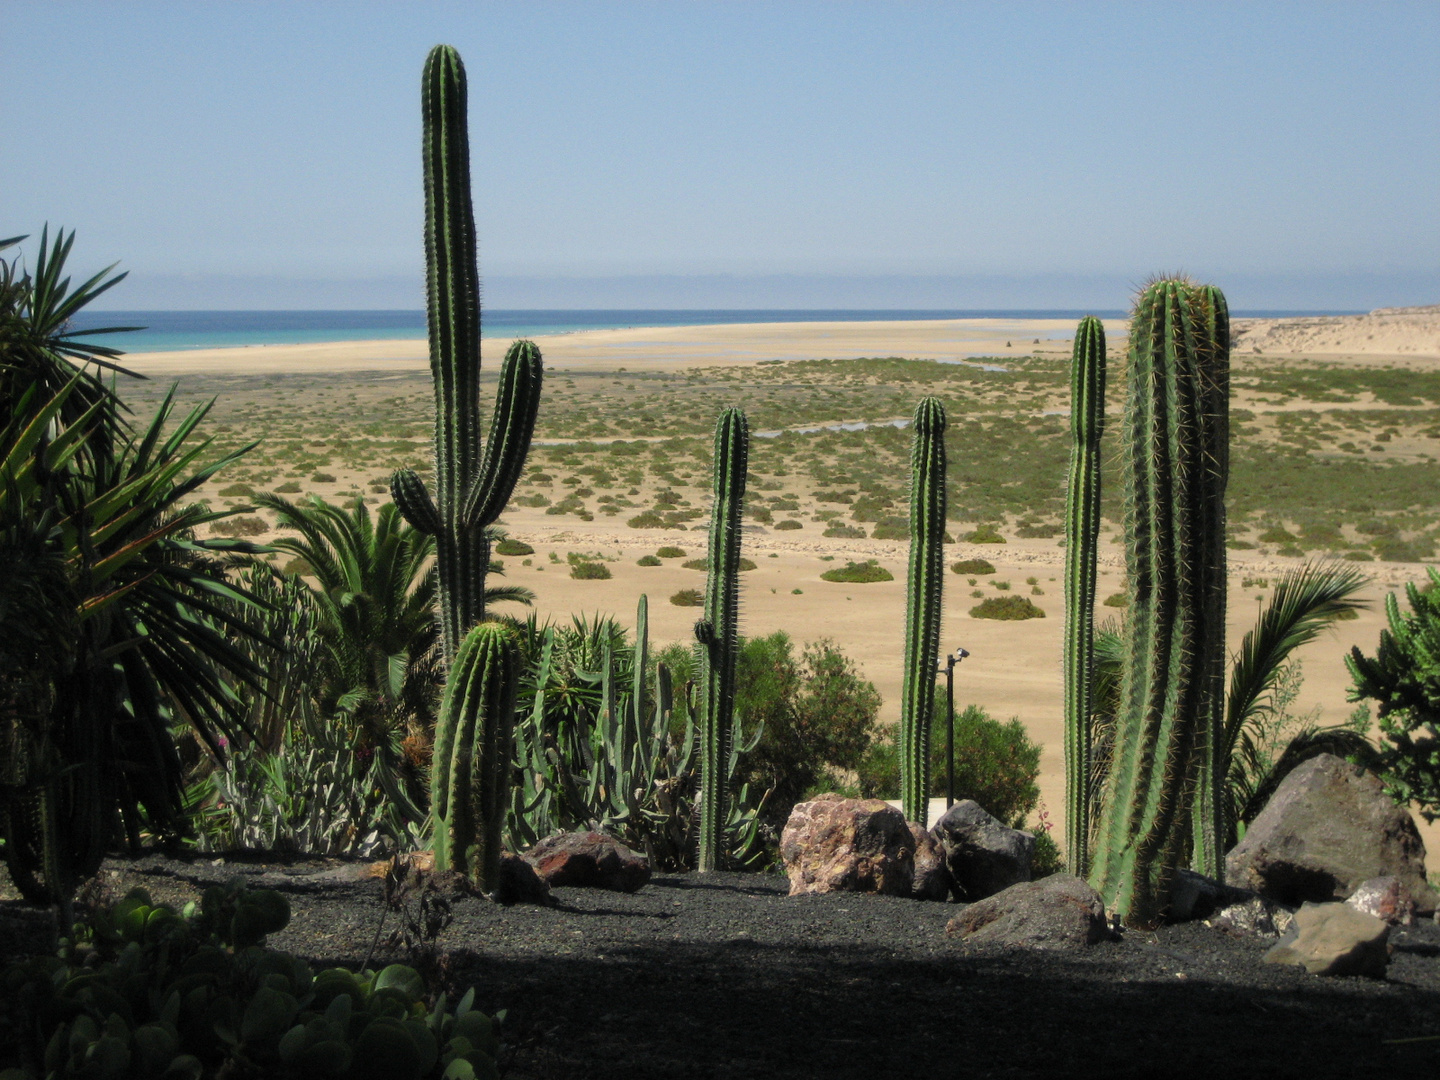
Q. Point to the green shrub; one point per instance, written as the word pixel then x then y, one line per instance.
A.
pixel 1394 549
pixel 985 534
pixel 761 515
pixel 1277 535
pixel 237 491
pixel 1045 856
pixel 535 500
pixel 1240 545
pixel 647 520
pixel 815 713
pixel 1118 599
pixel 669 551
pixel 297 567
pixel 688 598
pixel 788 525
pixel 240 526
pixel 996 764
pixel 290 487
pixel 583 570
pixel 891 528
pixel 1006 608
pixel 854 573
pixel 704 564
pixel 647 560
pixel 322 478
pixel 839 530
pixel 972 566
pixel 509 546
pixel 1037 532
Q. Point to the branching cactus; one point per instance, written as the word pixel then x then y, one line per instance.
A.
pixel 717 632
pixel 1082 532
pixel 470 772
pixel 1174 553
pixel 922 606
pixel 472 485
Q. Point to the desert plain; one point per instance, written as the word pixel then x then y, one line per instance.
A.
pixel 1335 455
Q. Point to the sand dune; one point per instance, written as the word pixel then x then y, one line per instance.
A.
pixel 1409 332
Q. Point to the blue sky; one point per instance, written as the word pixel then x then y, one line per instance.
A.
pixel 737 154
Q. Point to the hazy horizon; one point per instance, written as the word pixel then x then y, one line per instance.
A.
pixel 721 155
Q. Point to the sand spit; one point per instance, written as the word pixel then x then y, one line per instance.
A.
pixel 1395 333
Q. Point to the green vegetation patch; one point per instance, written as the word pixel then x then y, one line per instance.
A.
pixel 973 566
pixel 670 551
pixel 589 571
pixel 985 534
pixel 788 525
pixel 861 573
pixel 688 598
pixel 1008 608
pixel 508 546
pixel 647 560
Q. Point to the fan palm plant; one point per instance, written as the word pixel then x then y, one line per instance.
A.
pixel 1305 603
pixel 375 596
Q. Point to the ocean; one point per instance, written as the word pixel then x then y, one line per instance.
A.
pixel 168 331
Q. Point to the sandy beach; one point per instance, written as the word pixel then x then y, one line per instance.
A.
pixel 1014 667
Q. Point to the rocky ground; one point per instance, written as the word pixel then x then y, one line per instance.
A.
pixel 724 975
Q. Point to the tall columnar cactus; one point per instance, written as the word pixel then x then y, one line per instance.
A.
pixel 717 631
pixel 472 485
pixel 1082 531
pixel 1210 826
pixel 470 771
pixel 922 605
pixel 1174 478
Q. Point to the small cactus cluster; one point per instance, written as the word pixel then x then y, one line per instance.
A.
pixel 1160 803
pixel 1082 533
pixel 471 486
pixel 926 583
pixel 149 992
pixel 717 633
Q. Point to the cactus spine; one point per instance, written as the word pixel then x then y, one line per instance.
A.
pixel 471 487
pixel 922 606
pixel 469 776
pixel 717 632
pixel 1082 531
pixel 1174 553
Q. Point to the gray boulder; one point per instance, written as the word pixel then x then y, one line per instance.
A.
pixel 1329 828
pixel 1254 916
pixel 932 877
pixel 1058 912
pixel 835 844
pixel 1335 939
pixel 983 855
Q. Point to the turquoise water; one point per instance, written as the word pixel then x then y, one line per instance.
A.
pixel 168 331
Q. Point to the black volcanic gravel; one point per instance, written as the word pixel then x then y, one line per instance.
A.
pixel 723 975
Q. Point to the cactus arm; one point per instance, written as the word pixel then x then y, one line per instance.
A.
pixel 922 605
pixel 414 502
pixel 517 403
pixel 1082 530
pixel 717 631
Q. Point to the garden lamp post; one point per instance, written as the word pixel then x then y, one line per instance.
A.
pixel 950 661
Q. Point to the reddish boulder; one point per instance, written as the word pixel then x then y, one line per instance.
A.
pixel 932 879
pixel 835 844
pixel 589 860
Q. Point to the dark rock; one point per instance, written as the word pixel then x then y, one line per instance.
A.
pixel 589 860
pixel 1335 939
pixel 1328 828
pixel 1387 899
pixel 520 884
pixel 932 877
pixel 835 844
pixel 1195 896
pixel 983 855
pixel 1057 912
